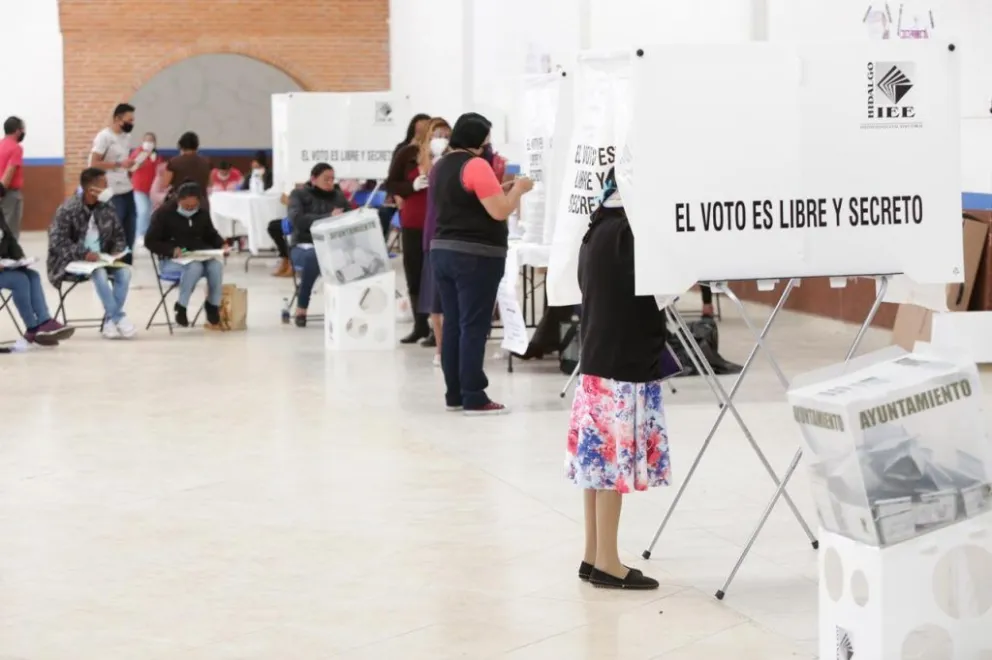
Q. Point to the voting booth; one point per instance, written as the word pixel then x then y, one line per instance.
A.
pixel 355 132
pixel 359 283
pixel 901 470
pixel 791 161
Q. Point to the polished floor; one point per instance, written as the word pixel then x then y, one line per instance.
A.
pixel 248 496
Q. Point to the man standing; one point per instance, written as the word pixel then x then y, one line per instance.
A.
pixel 111 150
pixel 12 174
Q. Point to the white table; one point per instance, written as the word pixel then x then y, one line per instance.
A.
pixel 253 211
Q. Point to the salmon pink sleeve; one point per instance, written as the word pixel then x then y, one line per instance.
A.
pixel 478 177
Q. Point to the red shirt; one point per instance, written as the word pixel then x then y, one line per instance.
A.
pixel 12 153
pixel 143 177
pixel 233 182
pixel 413 213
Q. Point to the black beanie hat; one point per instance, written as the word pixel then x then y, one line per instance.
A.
pixel 470 131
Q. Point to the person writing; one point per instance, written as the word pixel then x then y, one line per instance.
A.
pixel 468 255
pixel 617 435
pixel 180 227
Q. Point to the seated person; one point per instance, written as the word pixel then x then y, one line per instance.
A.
pixel 224 178
pixel 184 226
pixel 24 285
pixel 275 232
pixel 316 200
pixel 261 174
pixel 84 227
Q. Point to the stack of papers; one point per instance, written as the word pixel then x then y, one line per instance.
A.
pixel 17 263
pixel 105 261
pixel 198 255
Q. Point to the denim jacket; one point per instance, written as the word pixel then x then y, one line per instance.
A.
pixel 67 234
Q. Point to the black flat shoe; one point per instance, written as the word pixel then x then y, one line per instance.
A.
pixel 585 569
pixel 635 581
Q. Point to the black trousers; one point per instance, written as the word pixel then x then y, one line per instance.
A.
pixel 707 293
pixel 412 241
pixel 275 231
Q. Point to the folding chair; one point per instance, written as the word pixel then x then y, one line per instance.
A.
pixel 67 286
pixel 171 280
pixel 5 303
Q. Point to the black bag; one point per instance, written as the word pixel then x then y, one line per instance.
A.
pixel 707 335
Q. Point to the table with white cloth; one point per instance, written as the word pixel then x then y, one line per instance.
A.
pixel 253 211
pixel 530 257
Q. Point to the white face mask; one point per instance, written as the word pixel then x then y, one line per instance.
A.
pixel 438 145
pixel 259 172
pixel 148 146
pixel 105 195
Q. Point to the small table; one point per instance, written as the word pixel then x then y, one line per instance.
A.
pixel 254 211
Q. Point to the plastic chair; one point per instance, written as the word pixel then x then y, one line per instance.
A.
pixel 361 198
pixel 171 280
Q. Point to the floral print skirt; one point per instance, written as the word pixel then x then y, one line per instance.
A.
pixel 617 437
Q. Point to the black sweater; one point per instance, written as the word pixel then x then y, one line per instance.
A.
pixel 310 204
pixel 9 247
pixel 170 230
pixel 623 335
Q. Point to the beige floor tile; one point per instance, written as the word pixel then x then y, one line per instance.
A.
pixel 250 496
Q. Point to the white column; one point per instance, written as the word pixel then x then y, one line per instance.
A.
pixel 468 55
pixel 759 20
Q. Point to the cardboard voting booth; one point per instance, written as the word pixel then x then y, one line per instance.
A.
pixel 796 160
pixel 355 132
pixel 354 265
pixel 901 471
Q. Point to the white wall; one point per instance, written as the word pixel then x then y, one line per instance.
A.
pixel 32 83
pixel 225 99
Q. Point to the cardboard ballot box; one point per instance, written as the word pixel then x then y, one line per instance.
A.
pixel 896 444
pixel 350 247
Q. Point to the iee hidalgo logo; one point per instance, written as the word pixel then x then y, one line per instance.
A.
pixel 891 89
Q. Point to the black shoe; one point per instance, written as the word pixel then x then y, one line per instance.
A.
pixel 301 321
pixel 586 569
pixel 213 313
pixel 635 581
pixel 181 318
pixel 420 330
pixel 430 341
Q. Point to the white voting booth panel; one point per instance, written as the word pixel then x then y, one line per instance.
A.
pixel 361 315
pixel 599 89
pixel 540 105
pixel 355 132
pixel 928 599
pixel 796 161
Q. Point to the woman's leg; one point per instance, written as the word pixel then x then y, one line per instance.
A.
pixel 448 293
pixel 607 515
pixel 413 265
pixel 143 208
pixel 478 280
pixel 215 281
pixel 191 274
pixel 306 261
pixel 589 505
pixel 17 282
pixel 437 324
pixel 274 229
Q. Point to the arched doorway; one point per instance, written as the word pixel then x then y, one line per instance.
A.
pixel 223 98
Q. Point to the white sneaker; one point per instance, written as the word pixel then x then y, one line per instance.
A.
pixel 437 360
pixel 110 330
pixel 126 328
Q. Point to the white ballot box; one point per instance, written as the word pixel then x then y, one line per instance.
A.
pixel 900 465
pixel 350 247
pixel 361 315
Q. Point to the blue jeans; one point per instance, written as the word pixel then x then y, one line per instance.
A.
pixel 467 285
pixel 305 260
pixel 143 213
pixel 112 297
pixel 24 285
pixel 192 273
pixel 127 213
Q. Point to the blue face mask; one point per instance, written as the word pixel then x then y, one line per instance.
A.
pixel 187 213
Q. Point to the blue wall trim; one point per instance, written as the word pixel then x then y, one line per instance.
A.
pixel 216 153
pixel 43 162
pixel 976 201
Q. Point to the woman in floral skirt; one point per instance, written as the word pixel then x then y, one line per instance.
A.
pixel 617 437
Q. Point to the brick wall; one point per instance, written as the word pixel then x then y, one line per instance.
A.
pixel 112 47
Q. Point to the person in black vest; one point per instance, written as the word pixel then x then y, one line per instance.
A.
pixel 468 255
pixel 617 436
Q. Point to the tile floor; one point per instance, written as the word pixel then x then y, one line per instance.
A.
pixel 248 496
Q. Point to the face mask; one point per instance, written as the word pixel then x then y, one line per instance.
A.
pixel 127 127
pixel 187 213
pixel 258 171
pixel 105 195
pixel 20 138
pixel 223 176
pixel 488 154
pixel 438 145
pixel 148 146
